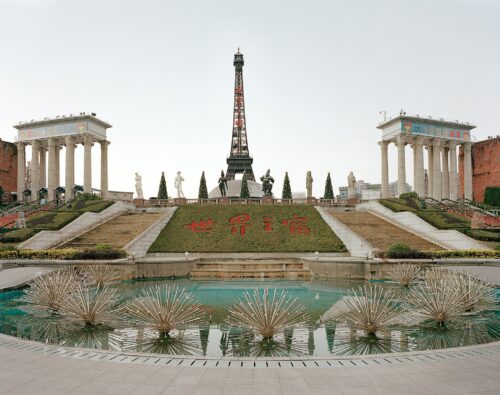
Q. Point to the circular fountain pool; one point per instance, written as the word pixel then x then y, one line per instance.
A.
pixel 215 339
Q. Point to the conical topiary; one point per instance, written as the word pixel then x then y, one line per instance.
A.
pixel 162 190
pixel 244 193
pixel 202 192
pixel 328 188
pixel 287 190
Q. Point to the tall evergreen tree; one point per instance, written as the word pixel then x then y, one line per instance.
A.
pixel 287 190
pixel 244 193
pixel 328 188
pixel 202 192
pixel 162 190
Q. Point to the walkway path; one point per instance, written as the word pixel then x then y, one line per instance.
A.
pixel 17 276
pixel 28 367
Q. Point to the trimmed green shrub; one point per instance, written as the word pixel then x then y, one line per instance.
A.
pixel 328 188
pixel 399 247
pixel 409 195
pixel 287 190
pixel 441 254
pixel 66 254
pixel 202 191
pixel 103 247
pixel 483 234
pixel 244 192
pixel 492 196
pixel 97 254
pixel 16 235
pixel 162 189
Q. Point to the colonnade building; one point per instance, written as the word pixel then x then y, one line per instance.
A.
pixel 47 137
pixel 441 139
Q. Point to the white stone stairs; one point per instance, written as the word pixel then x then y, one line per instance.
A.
pixel 356 245
pixel 49 238
pixel 139 246
pixel 448 239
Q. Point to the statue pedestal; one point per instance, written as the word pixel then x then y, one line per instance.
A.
pixel 139 202
pixel 312 200
pixel 224 200
pixel 180 201
pixel 267 200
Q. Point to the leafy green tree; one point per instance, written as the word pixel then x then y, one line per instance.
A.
pixel 287 190
pixel 162 190
pixel 202 192
pixel 244 193
pixel 328 188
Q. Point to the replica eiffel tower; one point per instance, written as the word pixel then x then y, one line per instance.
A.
pixel 239 160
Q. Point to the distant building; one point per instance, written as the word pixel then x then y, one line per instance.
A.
pixel 8 171
pixel 367 191
pixel 485 166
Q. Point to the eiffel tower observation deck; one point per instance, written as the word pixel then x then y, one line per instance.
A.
pixel 239 160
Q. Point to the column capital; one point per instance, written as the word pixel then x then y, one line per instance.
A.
pixel 87 140
pixel 384 143
pixel 104 143
pixel 69 140
pixel 51 142
pixel 467 146
pixel 20 144
pixel 436 143
pixel 453 144
pixel 419 140
pixel 400 139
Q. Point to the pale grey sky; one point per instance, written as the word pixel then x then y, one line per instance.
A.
pixel 316 75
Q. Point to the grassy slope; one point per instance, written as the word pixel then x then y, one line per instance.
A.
pixel 177 237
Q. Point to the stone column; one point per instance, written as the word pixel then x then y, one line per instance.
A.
pixel 436 167
pixel 445 190
pixel 104 168
pixel 21 171
pixel 57 166
pixel 430 170
pixel 51 183
pixel 401 164
pixel 384 170
pixel 70 167
pixel 453 171
pixel 419 165
pixel 35 170
pixel 87 164
pixel 414 149
pixel 468 171
pixel 43 167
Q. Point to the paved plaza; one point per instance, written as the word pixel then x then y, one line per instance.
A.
pixel 28 368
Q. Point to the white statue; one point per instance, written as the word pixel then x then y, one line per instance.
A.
pixel 309 184
pixel 178 185
pixel 138 186
pixel 351 186
pixel 21 220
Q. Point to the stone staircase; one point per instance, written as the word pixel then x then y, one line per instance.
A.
pixel 118 231
pixel 289 268
pixel 49 238
pixel 380 233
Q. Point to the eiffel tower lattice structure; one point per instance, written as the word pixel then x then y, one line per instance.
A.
pixel 239 160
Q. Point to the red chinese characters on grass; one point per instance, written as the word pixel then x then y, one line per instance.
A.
pixel 238 225
pixel 202 226
pixel 297 225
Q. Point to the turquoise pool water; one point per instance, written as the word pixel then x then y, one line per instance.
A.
pixel 215 339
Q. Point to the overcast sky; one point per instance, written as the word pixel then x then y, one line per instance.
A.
pixel 316 75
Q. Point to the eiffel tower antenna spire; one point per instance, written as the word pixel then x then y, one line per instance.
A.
pixel 239 160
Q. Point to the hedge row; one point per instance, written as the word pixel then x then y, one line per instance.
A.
pixel 66 254
pixel 442 254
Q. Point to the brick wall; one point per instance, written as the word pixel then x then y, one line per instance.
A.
pixel 8 168
pixel 485 167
